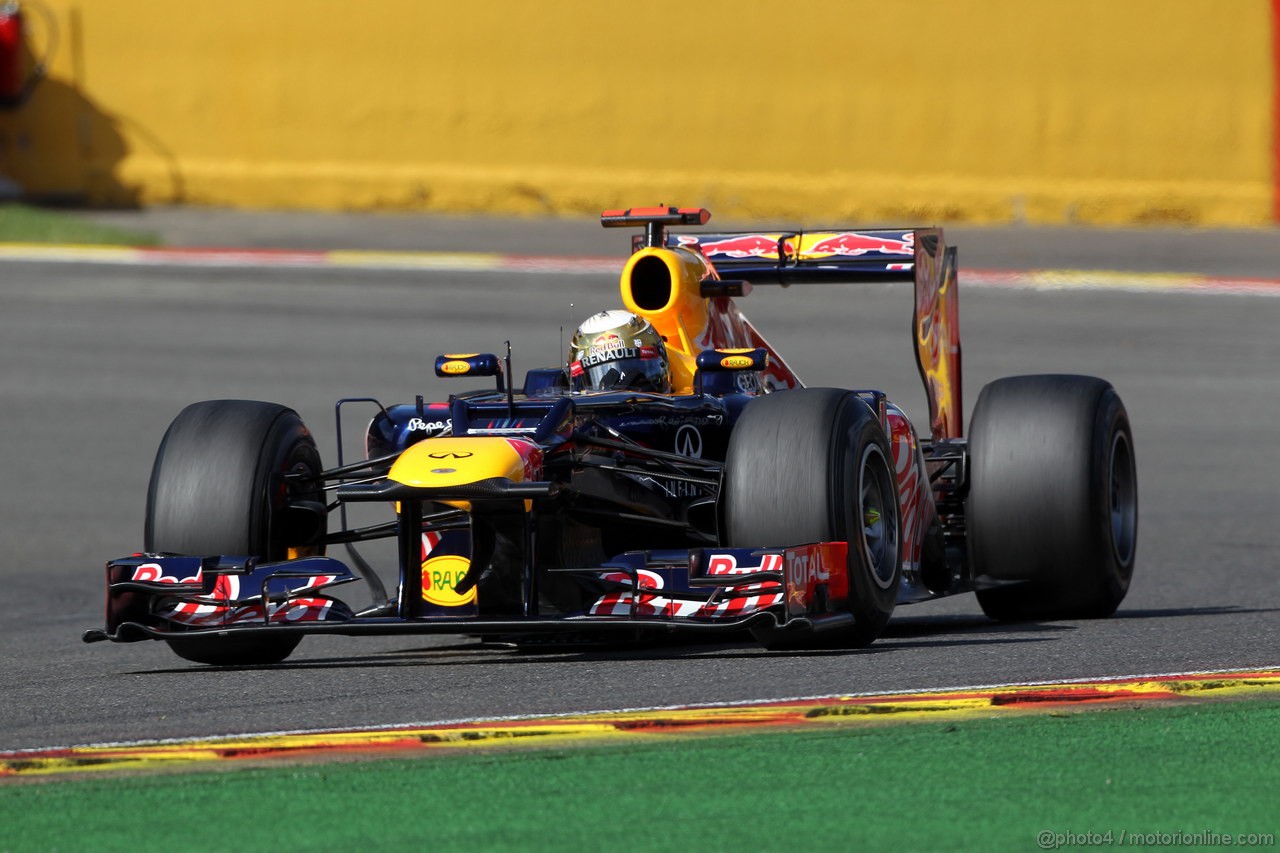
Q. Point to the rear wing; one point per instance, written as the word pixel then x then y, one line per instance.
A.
pixel 918 255
pixel 806 257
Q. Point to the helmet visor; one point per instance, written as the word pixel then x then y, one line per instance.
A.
pixel 629 369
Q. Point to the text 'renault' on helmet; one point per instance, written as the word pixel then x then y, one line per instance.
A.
pixel 618 351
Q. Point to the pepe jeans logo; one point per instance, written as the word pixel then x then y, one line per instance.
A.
pixel 419 425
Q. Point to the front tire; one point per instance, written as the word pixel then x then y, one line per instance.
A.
pixel 813 465
pixel 216 489
pixel 1053 497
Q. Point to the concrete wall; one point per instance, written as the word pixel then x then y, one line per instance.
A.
pixel 1049 111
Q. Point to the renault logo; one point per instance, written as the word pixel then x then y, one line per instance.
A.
pixel 689 441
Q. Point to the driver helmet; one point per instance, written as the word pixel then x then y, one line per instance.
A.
pixel 616 350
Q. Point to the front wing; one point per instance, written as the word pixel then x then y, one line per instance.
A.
pixel 803 588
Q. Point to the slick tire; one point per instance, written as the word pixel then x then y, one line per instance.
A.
pixel 1053 497
pixel 813 465
pixel 216 490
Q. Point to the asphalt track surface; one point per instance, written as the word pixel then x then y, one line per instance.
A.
pixel 96 360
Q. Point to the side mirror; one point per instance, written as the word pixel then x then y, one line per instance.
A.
pixel 721 360
pixel 724 371
pixel 470 364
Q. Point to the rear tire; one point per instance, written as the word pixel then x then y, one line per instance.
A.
pixel 1053 497
pixel 813 465
pixel 216 490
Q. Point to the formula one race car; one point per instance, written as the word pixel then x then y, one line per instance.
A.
pixel 672 476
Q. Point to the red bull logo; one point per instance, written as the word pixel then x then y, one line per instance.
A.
pixel 605 343
pixel 747 246
pixel 727 564
pixel 154 573
pixel 852 244
pixel 530 455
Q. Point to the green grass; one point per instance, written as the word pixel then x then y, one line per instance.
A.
pixel 984 784
pixel 20 223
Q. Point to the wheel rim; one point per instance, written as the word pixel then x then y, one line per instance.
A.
pixel 1122 498
pixel 877 512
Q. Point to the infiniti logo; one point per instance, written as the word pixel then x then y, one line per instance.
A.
pixel 689 441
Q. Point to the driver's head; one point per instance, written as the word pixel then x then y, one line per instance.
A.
pixel 616 350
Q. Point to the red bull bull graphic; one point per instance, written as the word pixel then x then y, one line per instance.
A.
pixel 937 334
pixel 726 326
pixel 916 508
pixel 743 246
pixel 854 244
pixel 607 342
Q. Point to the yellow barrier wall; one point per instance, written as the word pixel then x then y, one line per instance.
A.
pixel 982 110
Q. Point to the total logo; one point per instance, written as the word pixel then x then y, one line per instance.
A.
pixel 805 568
pixel 439 577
